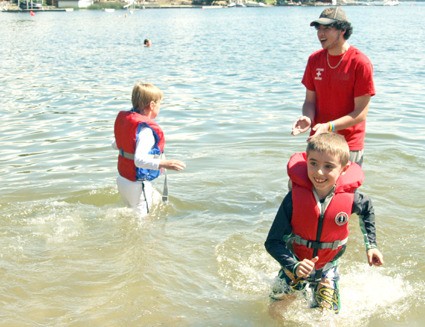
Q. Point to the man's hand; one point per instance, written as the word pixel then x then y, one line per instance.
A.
pixel 301 125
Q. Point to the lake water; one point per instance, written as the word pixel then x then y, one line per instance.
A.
pixel 72 255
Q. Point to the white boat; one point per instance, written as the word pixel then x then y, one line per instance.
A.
pixel 131 6
pixel 212 7
pixel 291 3
pixel 109 9
pixel 384 3
pixel 391 2
pixel 254 4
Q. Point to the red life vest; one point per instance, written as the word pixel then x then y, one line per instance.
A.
pixel 128 125
pixel 307 214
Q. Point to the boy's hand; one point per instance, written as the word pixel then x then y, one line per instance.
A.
pixel 375 257
pixel 172 164
pixel 306 267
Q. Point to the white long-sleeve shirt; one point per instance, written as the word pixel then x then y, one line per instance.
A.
pixel 142 158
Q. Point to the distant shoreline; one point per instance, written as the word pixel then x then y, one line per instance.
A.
pixel 15 9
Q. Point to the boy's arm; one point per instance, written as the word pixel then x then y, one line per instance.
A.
pixel 279 233
pixel 363 207
pixel 145 142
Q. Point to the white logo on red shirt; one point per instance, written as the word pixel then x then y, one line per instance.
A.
pixel 319 74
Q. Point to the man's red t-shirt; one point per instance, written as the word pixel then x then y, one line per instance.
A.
pixel 336 89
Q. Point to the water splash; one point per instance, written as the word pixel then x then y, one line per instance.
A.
pixel 366 292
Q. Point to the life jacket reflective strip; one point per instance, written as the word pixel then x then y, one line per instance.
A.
pixel 127 127
pixel 307 213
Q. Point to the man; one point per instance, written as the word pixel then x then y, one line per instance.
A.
pixel 339 84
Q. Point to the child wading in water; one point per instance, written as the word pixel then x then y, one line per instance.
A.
pixel 310 231
pixel 141 142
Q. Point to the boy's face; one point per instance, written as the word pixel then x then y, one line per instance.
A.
pixel 153 110
pixel 156 108
pixel 323 171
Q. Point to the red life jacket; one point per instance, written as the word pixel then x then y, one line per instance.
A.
pixel 128 125
pixel 307 216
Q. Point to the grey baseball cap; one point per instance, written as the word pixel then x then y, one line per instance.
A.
pixel 330 16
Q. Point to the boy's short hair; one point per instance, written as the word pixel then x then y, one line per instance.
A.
pixel 143 94
pixel 331 143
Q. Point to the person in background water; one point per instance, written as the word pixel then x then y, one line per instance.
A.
pixel 141 142
pixel 339 85
pixel 310 231
pixel 147 43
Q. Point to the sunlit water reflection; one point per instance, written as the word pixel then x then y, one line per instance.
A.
pixel 72 254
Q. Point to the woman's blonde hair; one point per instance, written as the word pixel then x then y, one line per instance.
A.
pixel 143 94
pixel 331 143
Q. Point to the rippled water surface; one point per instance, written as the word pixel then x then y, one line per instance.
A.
pixel 72 255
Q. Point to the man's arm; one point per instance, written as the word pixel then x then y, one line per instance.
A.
pixel 303 123
pixel 358 115
pixel 309 105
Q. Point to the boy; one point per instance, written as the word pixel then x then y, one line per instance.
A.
pixel 310 230
pixel 140 141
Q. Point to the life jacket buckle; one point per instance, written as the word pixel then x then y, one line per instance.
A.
pixel 313 244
